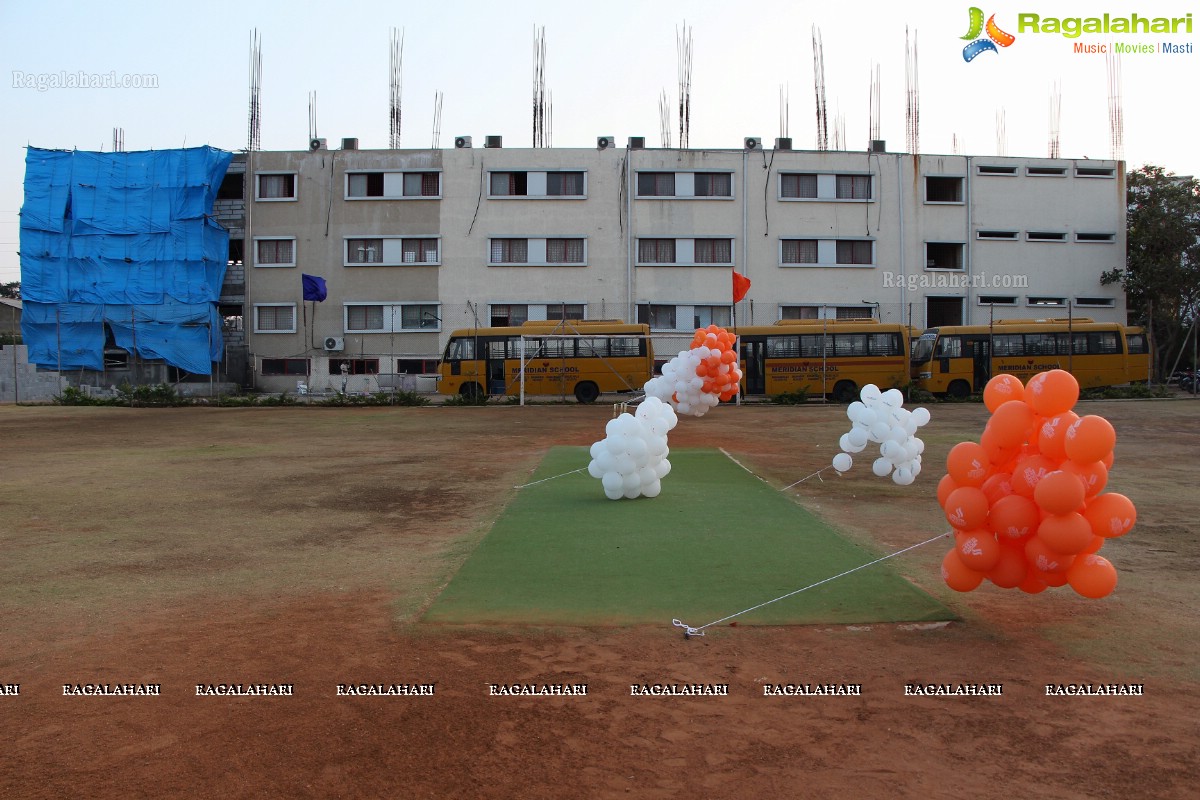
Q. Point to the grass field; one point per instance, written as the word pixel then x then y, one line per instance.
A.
pixel 716 541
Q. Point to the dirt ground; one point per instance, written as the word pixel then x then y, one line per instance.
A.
pixel 299 546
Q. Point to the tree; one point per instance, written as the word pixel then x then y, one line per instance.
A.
pixel 1161 277
pixel 11 290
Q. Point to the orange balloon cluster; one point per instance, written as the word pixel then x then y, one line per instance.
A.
pixel 1025 502
pixel 719 370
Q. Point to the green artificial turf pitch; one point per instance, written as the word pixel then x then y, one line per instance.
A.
pixel 717 540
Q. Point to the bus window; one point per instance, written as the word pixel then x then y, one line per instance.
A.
pixel 558 348
pixel 884 344
pixel 460 350
pixel 626 347
pixel 1008 344
pixel 783 346
pixel 1104 342
pixel 1040 344
pixel 1137 344
pixel 923 348
pixel 949 347
pixel 812 346
pixel 592 348
pixel 850 344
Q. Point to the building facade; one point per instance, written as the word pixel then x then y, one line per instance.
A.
pixel 413 244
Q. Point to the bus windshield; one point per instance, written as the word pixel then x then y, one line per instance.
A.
pixel 923 348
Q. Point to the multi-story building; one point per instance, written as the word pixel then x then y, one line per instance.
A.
pixel 415 243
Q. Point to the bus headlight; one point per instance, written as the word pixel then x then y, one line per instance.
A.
pixel 924 375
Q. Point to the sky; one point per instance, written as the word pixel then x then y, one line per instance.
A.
pixel 607 63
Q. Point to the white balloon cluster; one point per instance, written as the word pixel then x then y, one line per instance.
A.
pixel 880 417
pixel 680 386
pixel 631 460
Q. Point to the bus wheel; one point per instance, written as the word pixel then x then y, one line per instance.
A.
pixel 471 391
pixel 586 392
pixel 845 392
pixel 959 390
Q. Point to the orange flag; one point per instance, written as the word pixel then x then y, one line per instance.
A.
pixel 741 285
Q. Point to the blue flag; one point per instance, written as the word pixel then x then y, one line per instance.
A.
pixel 314 288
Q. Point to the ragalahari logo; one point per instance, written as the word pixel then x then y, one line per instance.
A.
pixel 995 36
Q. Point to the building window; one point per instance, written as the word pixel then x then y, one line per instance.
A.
pixel 509 184
pixel 713 184
pixel 1056 302
pixel 364 318
pixel 416 366
pixel 997 300
pixel 798 186
pixel 940 189
pixel 854 312
pixel 853 187
pixel 272 367
pixel 713 251
pixel 419 251
pixel 1095 237
pixel 1096 302
pixel 1045 236
pixel 703 316
pixel 1094 172
pixel 800 312
pixel 503 316
pixel 509 251
pixel 564 184
pixel 275 318
pixel 354 366
pixel 1046 172
pixel 854 252
pixel 944 255
pixel 656 184
pixel 1007 236
pixel 656 251
pixel 799 251
pixel 992 169
pixel 565 251
pixel 364 251
pixel 563 311
pixel 419 317
pixel 658 317
pixel 364 184
pixel 233 186
pixel 277 187
pixel 392 185
pixel 275 252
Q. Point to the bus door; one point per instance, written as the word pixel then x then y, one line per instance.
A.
pixel 981 354
pixel 494 354
pixel 755 373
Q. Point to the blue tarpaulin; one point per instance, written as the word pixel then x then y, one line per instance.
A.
pixel 124 240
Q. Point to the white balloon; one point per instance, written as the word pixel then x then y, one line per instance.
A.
pixel 662 469
pixel 902 477
pixel 921 415
pixel 858 437
pixel 881 467
pixel 893 398
pixel 631 494
pixel 854 409
pixel 920 443
pixel 915 469
pixel 652 489
pixel 879 431
pixel 625 464
pixel 637 448
pixel 614 494
pixel 594 470
pixel 597 448
pixel 897 434
pixel 870 392
pixel 842 462
pixel 613 482
pixel 631 482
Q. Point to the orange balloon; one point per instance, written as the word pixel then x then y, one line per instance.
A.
pixel 1051 578
pixel 967 508
pixel 1041 557
pixel 1012 423
pixel 1060 492
pixel 728 357
pixel 978 549
pixel 945 486
pixel 1001 389
pixel 1053 392
pixel 1010 569
pixel 1051 435
pixel 1110 515
pixel 1092 576
pixel 1069 534
pixel 1108 460
pixel 1013 517
pixel 997 486
pixel 1028 472
pixel 997 451
pixel 968 464
pixel 957 575
pixel 1032 583
pixel 1094 547
pixel 702 370
pixel 1094 475
pixel 1090 439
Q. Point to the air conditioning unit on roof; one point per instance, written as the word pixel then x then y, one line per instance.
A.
pixel 462 142
pixel 752 143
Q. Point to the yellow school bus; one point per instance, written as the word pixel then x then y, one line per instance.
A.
pixel 834 358
pixel 556 357
pixel 960 359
